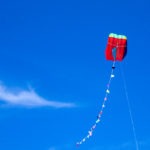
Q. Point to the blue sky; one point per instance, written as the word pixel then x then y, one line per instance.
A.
pixel 54 73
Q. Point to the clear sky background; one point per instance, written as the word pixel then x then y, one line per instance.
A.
pixel 53 74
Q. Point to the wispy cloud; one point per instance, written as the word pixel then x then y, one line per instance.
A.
pixel 66 146
pixel 144 144
pixel 127 145
pixel 117 146
pixel 28 98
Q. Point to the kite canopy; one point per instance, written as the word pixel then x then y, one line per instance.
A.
pixel 116 47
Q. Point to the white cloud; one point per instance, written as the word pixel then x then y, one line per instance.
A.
pixel 28 98
pixel 66 146
pixel 144 145
pixel 117 146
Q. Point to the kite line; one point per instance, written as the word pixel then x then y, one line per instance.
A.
pixel 129 108
pixel 90 132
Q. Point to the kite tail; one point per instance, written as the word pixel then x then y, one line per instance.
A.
pixel 90 132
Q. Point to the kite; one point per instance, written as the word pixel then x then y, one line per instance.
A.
pixel 116 50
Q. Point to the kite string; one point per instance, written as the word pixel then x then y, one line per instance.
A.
pixel 90 132
pixel 129 108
